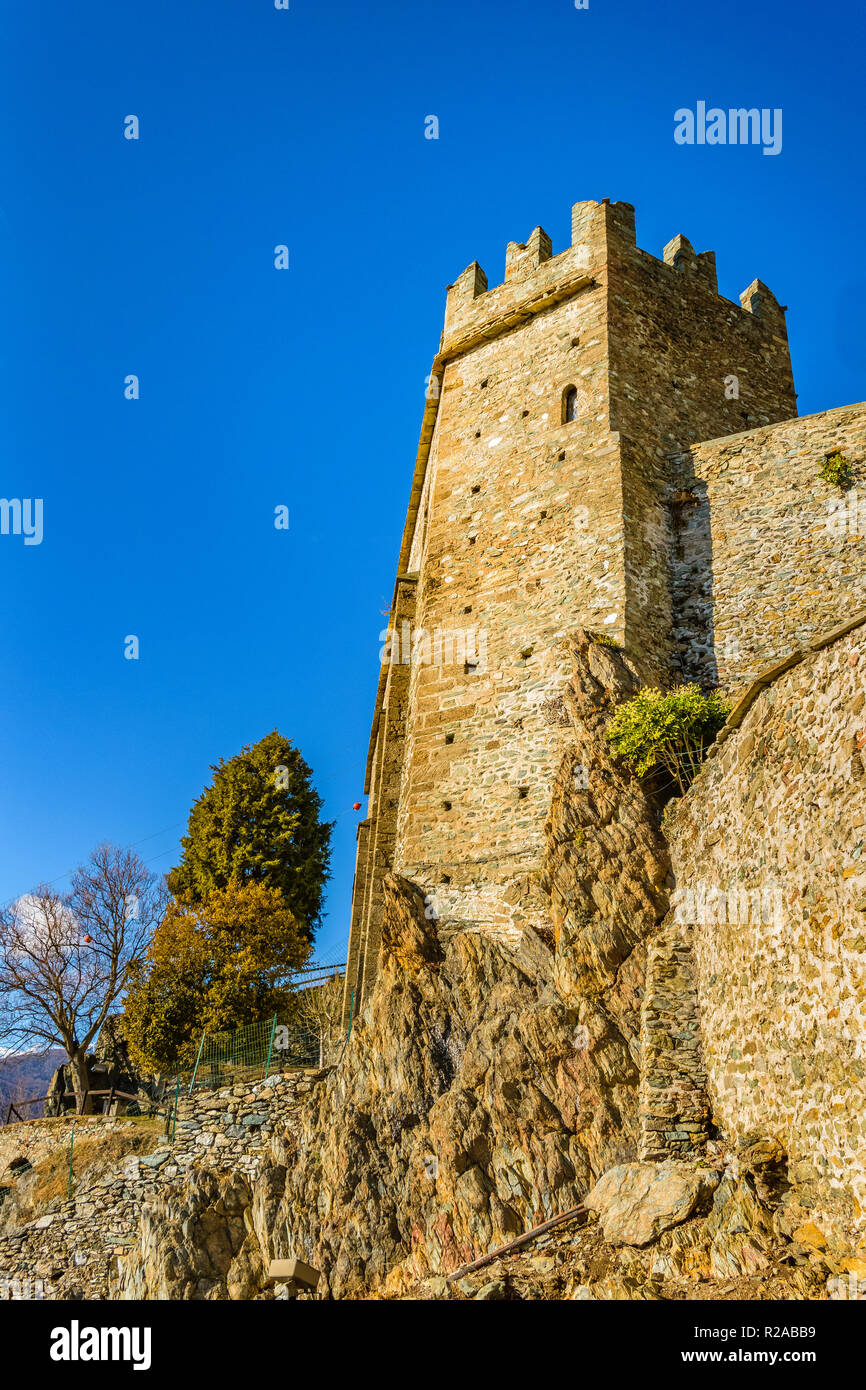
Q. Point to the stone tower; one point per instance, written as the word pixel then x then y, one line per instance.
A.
pixel 541 503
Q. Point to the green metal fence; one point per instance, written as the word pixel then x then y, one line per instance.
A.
pixel 277 1043
pixel 250 1054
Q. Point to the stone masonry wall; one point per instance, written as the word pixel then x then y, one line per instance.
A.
pixel 508 560
pixel 357 924
pixel 36 1140
pixel 674 1108
pixel 765 554
pixel 686 364
pixel 767 849
pixel 526 525
pixel 376 849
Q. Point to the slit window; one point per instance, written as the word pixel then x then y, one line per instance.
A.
pixel 569 405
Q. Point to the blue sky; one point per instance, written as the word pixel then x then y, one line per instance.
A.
pixel 304 387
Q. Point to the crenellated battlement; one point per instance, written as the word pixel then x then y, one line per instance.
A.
pixel 602 234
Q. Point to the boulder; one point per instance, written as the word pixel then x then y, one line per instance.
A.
pixel 636 1202
pixel 109 1064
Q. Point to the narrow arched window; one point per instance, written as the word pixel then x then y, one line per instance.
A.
pixel 569 404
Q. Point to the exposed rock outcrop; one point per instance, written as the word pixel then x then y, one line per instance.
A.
pixel 659 1232
pixel 109 1065
pixel 486 1087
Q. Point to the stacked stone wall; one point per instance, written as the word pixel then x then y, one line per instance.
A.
pixel 767 850
pixel 674 1109
pixel 375 856
pixel 36 1140
pixel 766 555
pixel 516 542
pixel 511 563
pixel 75 1244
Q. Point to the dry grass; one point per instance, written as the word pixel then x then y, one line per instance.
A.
pixel 92 1157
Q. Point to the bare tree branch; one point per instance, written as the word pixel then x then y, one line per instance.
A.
pixel 64 959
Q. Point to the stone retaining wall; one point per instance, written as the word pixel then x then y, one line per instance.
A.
pixel 767 848
pixel 72 1246
pixel 674 1109
pixel 36 1140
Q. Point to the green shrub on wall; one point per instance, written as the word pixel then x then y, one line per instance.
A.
pixel 671 731
pixel 837 470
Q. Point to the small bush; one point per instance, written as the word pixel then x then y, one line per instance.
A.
pixel 837 470
pixel 672 731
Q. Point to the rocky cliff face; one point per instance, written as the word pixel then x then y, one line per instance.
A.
pixel 487 1088
pixel 653 1232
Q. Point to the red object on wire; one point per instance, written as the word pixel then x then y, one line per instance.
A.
pixel 87 940
pixel 356 805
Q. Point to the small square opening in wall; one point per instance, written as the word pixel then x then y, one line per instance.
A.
pixel 446 878
pixel 575 342
pixel 446 805
pixel 484 382
pixel 449 738
pixel 477 434
pixel 562 457
pixel 524 414
pixel 472 540
pixel 469 668
pixel 522 793
pixel 477 487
